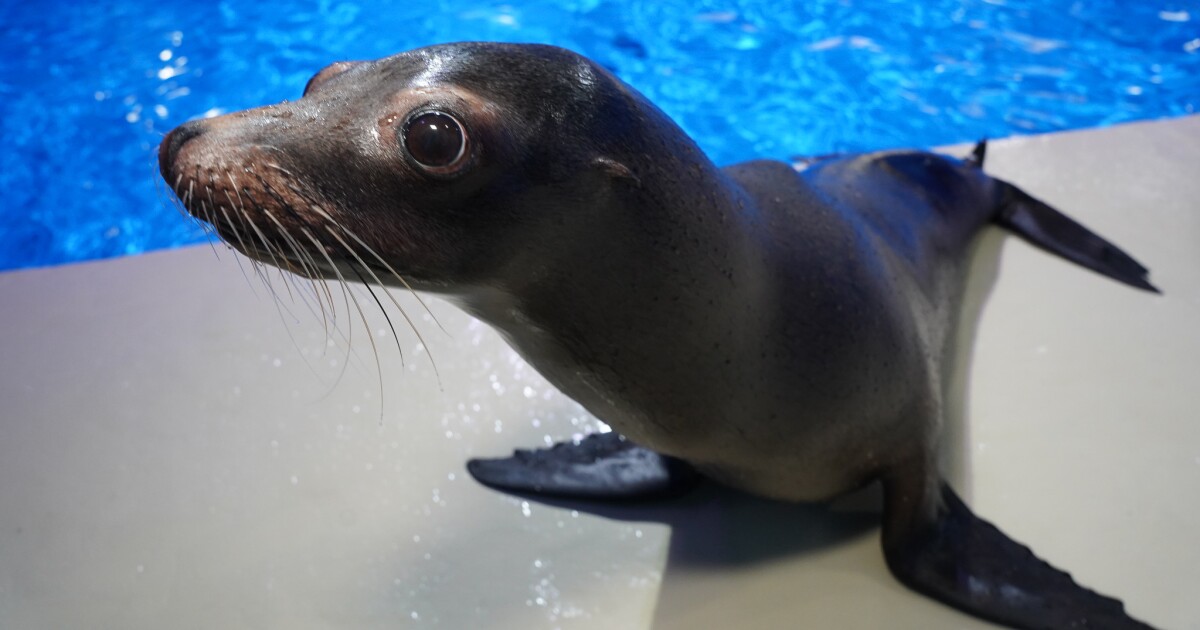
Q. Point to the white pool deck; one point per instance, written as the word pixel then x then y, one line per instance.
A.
pixel 176 453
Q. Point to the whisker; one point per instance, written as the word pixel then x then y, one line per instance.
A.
pixel 275 260
pixel 228 221
pixel 209 230
pixel 287 206
pixel 310 272
pixel 240 213
pixel 381 309
pixel 394 273
pixel 284 204
pixel 374 348
pixel 279 168
pixel 411 325
pixel 238 259
pixel 209 210
pixel 241 207
pixel 345 295
pixel 178 201
pixel 240 204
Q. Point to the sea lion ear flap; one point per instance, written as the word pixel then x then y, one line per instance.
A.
pixel 327 73
pixel 616 170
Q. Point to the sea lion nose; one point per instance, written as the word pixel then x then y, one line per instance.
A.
pixel 175 140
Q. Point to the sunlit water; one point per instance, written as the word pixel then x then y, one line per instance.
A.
pixel 88 89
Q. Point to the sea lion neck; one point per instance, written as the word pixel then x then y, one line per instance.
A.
pixel 665 219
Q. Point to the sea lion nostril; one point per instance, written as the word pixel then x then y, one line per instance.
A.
pixel 174 141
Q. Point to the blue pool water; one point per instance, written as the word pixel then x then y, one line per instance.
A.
pixel 88 89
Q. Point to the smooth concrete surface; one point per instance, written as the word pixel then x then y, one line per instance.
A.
pixel 177 451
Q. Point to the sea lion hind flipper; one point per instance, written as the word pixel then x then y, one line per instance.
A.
pixel 601 466
pixel 1059 234
pixel 966 562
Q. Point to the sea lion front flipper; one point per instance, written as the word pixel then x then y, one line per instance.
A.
pixel 966 562
pixel 600 466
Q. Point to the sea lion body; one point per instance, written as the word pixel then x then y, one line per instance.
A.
pixel 840 379
pixel 784 332
pixel 819 331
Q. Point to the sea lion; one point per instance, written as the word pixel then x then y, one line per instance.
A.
pixel 781 331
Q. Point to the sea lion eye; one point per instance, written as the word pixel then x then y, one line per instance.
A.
pixel 435 139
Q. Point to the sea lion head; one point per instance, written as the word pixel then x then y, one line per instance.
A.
pixel 451 166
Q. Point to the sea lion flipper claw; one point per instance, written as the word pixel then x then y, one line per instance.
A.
pixel 601 466
pixel 968 563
